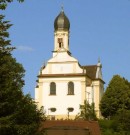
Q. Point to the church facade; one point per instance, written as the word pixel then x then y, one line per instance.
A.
pixel 63 84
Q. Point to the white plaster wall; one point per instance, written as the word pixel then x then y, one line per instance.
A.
pixel 62 57
pixel 62 63
pixel 36 95
pixel 62 68
pixel 65 36
pixel 61 101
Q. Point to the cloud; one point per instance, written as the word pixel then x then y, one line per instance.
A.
pixel 24 48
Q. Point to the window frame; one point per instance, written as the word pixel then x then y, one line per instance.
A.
pixel 52 88
pixel 70 88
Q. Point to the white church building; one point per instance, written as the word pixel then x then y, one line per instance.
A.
pixel 63 84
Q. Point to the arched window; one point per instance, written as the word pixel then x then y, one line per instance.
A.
pixel 52 88
pixel 70 88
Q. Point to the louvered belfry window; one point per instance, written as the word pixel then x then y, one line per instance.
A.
pixel 60 42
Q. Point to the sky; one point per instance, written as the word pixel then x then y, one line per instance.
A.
pixel 98 29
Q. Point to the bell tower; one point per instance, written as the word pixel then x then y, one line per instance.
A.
pixel 61 33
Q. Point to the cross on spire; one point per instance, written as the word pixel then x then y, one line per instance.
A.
pixel 99 60
pixel 62 8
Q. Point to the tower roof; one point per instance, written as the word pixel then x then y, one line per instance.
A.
pixel 61 22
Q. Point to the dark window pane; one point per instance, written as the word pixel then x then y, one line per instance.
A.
pixel 52 88
pixel 70 88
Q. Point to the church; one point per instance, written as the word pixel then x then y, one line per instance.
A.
pixel 63 84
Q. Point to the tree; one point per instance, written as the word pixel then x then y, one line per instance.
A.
pixel 108 127
pixel 18 112
pixel 118 125
pixel 87 112
pixel 123 120
pixel 116 97
pixel 3 3
pixel 27 118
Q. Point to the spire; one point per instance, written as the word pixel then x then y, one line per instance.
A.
pixel 62 8
pixel 99 63
pixel 99 60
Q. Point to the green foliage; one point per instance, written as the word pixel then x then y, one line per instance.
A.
pixel 18 113
pixel 113 127
pixel 11 73
pixel 25 120
pixel 4 35
pixel 87 112
pixel 115 106
pixel 3 3
pixel 116 97
pixel 108 127
pixel 123 120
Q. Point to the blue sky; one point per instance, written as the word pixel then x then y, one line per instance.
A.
pixel 99 28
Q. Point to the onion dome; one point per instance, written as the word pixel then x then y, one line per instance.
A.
pixel 61 22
